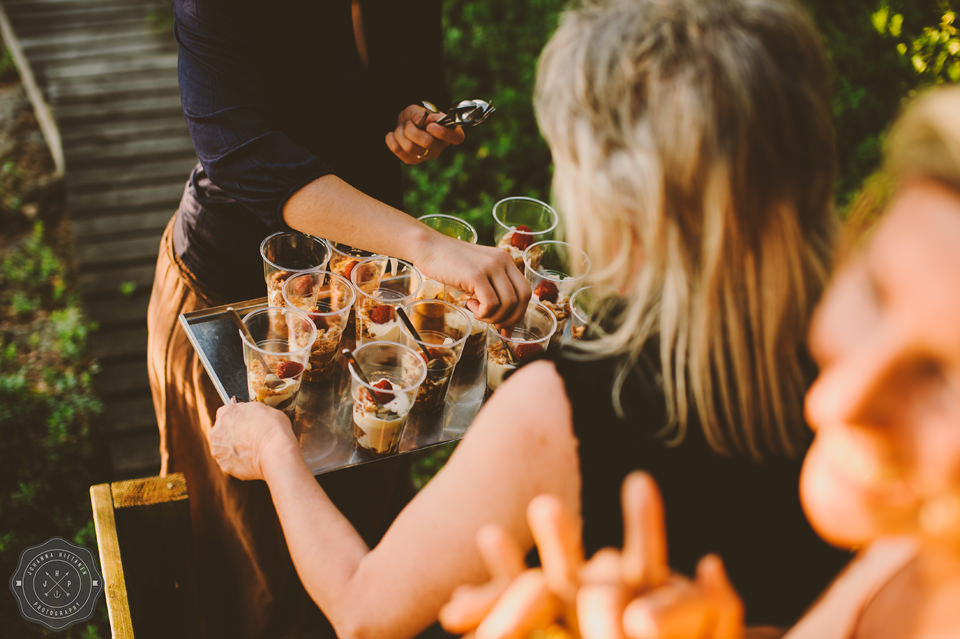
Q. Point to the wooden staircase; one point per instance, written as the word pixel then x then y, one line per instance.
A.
pixel 108 70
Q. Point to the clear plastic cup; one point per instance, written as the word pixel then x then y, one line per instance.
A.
pixel 554 270
pixel 327 299
pixel 521 221
pixel 383 284
pixel 342 260
pixel 278 356
pixel 510 347
pixel 442 328
pixel 580 304
pixel 395 372
pixel 287 253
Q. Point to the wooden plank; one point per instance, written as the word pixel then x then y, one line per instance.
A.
pixel 149 490
pixel 121 379
pixel 135 454
pixel 130 65
pixel 98 89
pixel 162 124
pixel 96 283
pixel 150 221
pixel 119 309
pixel 46 43
pixel 85 13
pixel 69 27
pixel 130 415
pixel 114 251
pixel 131 149
pixel 108 546
pixel 167 171
pixel 148 197
pixel 123 110
pixel 119 343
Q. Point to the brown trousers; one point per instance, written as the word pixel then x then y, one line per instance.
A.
pixel 246 581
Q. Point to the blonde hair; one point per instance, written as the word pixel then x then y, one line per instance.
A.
pixel 693 153
pixel 925 142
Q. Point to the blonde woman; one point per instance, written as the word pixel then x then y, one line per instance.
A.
pixel 693 154
pixel 882 474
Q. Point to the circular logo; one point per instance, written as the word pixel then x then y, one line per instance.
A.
pixel 56 584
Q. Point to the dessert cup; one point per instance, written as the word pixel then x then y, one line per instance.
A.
pixel 383 284
pixel 520 222
pixel 395 372
pixel 554 270
pixel 442 329
pixel 287 253
pixel 277 357
pixel 511 347
pixel 327 299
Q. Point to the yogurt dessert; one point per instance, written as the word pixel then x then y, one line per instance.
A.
pixel 378 321
pixel 377 428
pixel 278 387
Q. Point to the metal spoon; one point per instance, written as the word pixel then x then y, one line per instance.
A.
pixel 235 316
pixel 434 364
pixel 352 361
pixel 506 346
pixel 467 113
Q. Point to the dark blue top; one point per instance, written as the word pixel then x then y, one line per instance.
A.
pixel 747 512
pixel 276 95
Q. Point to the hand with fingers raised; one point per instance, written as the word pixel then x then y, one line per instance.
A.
pixel 628 593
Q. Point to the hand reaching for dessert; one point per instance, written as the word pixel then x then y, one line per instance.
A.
pixel 418 138
pixel 618 593
pixel 488 274
pixel 246 435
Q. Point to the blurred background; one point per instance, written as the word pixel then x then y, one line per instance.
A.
pixel 71 310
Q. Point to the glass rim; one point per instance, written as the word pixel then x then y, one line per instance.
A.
pixel 446 216
pixel 398 301
pixel 283 309
pixel 458 342
pixel 573 307
pixel 344 281
pixel 504 225
pixel 547 276
pixel 323 242
pixel 545 311
pixel 405 389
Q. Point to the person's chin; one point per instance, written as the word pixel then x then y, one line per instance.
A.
pixel 840 507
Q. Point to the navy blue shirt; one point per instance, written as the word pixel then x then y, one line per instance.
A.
pixel 276 95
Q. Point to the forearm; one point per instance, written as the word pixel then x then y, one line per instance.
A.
pixel 330 208
pixel 325 548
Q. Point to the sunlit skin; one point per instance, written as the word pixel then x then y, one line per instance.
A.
pixel 886 406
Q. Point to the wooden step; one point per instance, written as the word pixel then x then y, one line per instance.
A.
pixel 162 124
pixel 135 454
pixel 124 151
pixel 119 343
pixel 120 309
pixel 131 414
pixel 29 31
pixel 106 282
pixel 99 89
pixel 124 110
pixel 94 228
pixel 122 379
pixel 150 197
pixel 117 252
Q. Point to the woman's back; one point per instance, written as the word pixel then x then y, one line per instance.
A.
pixel 747 512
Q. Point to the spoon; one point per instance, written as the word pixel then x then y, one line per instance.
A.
pixel 235 316
pixel 434 364
pixel 506 346
pixel 467 113
pixel 352 361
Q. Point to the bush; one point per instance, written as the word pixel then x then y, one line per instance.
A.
pixel 47 406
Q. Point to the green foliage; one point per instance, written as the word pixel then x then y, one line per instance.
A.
pixel 491 53
pixel 882 51
pixel 8 68
pixel 47 407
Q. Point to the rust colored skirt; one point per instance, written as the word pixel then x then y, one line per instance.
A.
pixel 247 584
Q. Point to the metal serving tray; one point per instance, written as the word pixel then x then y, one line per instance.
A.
pixel 323 421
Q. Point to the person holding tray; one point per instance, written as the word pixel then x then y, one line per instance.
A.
pixel 300 115
pixel 693 154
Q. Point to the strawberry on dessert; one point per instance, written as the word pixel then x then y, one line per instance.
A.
pixel 385 394
pixel 546 291
pixel 348 268
pixel 526 351
pixel 287 369
pixel 381 314
pixel 521 237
